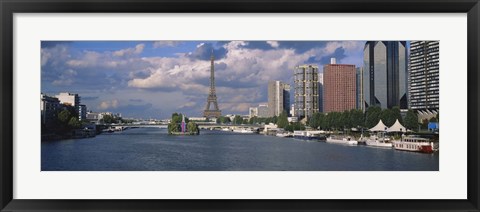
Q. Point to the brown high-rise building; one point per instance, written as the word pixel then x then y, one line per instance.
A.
pixel 339 91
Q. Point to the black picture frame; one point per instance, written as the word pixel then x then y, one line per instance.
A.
pixel 9 7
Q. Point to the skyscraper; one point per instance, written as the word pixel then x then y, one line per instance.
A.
pixel 320 92
pixel 385 74
pixel 339 88
pixel 306 90
pixel 278 97
pixel 359 88
pixel 424 75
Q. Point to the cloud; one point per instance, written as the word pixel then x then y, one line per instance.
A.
pixel 159 44
pixel 204 52
pixel 104 105
pixel 130 51
pixel 274 44
pixel 187 105
pixel 66 78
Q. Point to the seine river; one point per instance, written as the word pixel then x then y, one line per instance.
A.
pixel 152 149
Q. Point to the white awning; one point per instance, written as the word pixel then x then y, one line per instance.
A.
pixel 397 127
pixel 379 127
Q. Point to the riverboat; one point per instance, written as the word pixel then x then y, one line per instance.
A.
pixel 284 134
pixel 342 140
pixel 379 140
pixel 306 135
pixel 414 144
pixel 243 130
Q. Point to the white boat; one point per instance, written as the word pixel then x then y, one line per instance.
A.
pixel 284 134
pixel 342 140
pixel 307 135
pixel 226 129
pixel 414 144
pixel 379 140
pixel 243 130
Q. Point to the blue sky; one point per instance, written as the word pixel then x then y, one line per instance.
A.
pixel 152 79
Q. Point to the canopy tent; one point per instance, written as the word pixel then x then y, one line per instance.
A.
pixel 397 127
pixel 379 127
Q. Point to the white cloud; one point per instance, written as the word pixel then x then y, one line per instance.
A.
pixel 104 105
pixel 130 51
pixel 159 44
pixel 273 44
pixel 66 78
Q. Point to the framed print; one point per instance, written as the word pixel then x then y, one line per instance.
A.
pixel 268 105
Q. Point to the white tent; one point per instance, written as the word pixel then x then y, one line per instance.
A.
pixel 379 127
pixel 397 127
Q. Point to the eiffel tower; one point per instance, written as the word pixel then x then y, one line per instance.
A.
pixel 212 97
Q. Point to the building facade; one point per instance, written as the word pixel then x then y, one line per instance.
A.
pixel 320 92
pixel 71 99
pixel 340 91
pixel 253 112
pixel 359 88
pixel 278 98
pixel 82 112
pixel 306 90
pixel 263 111
pixel 385 74
pixel 424 75
pixel 49 107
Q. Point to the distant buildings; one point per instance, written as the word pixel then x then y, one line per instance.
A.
pixel 339 88
pixel 424 75
pixel 278 98
pixel 320 92
pixel 49 108
pixel 263 111
pixel 359 88
pixel 253 112
pixel 71 99
pixel 306 90
pixel 385 74
pixel 82 112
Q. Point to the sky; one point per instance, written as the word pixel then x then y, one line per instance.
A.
pixel 153 79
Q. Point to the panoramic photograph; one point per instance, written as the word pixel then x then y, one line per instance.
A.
pixel 233 105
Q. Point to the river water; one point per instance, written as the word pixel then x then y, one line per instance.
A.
pixel 152 149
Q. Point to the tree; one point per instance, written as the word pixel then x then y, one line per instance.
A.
pixel 237 119
pixel 372 116
pixel 411 120
pixel 73 123
pixel 64 116
pixel 108 119
pixel 192 128
pixel 282 120
pixel 357 118
pixel 295 126
pixel 387 117
pixel 397 114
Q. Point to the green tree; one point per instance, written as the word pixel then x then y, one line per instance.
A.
pixel 372 116
pixel 294 126
pixel 282 120
pixel 64 116
pixel 397 114
pixel 237 119
pixel 357 118
pixel 73 123
pixel 108 119
pixel 387 117
pixel 411 120
pixel 192 128
pixel 245 121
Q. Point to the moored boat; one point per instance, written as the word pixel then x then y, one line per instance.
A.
pixel 342 140
pixel 306 135
pixel 414 144
pixel 379 140
pixel 243 130
pixel 284 134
